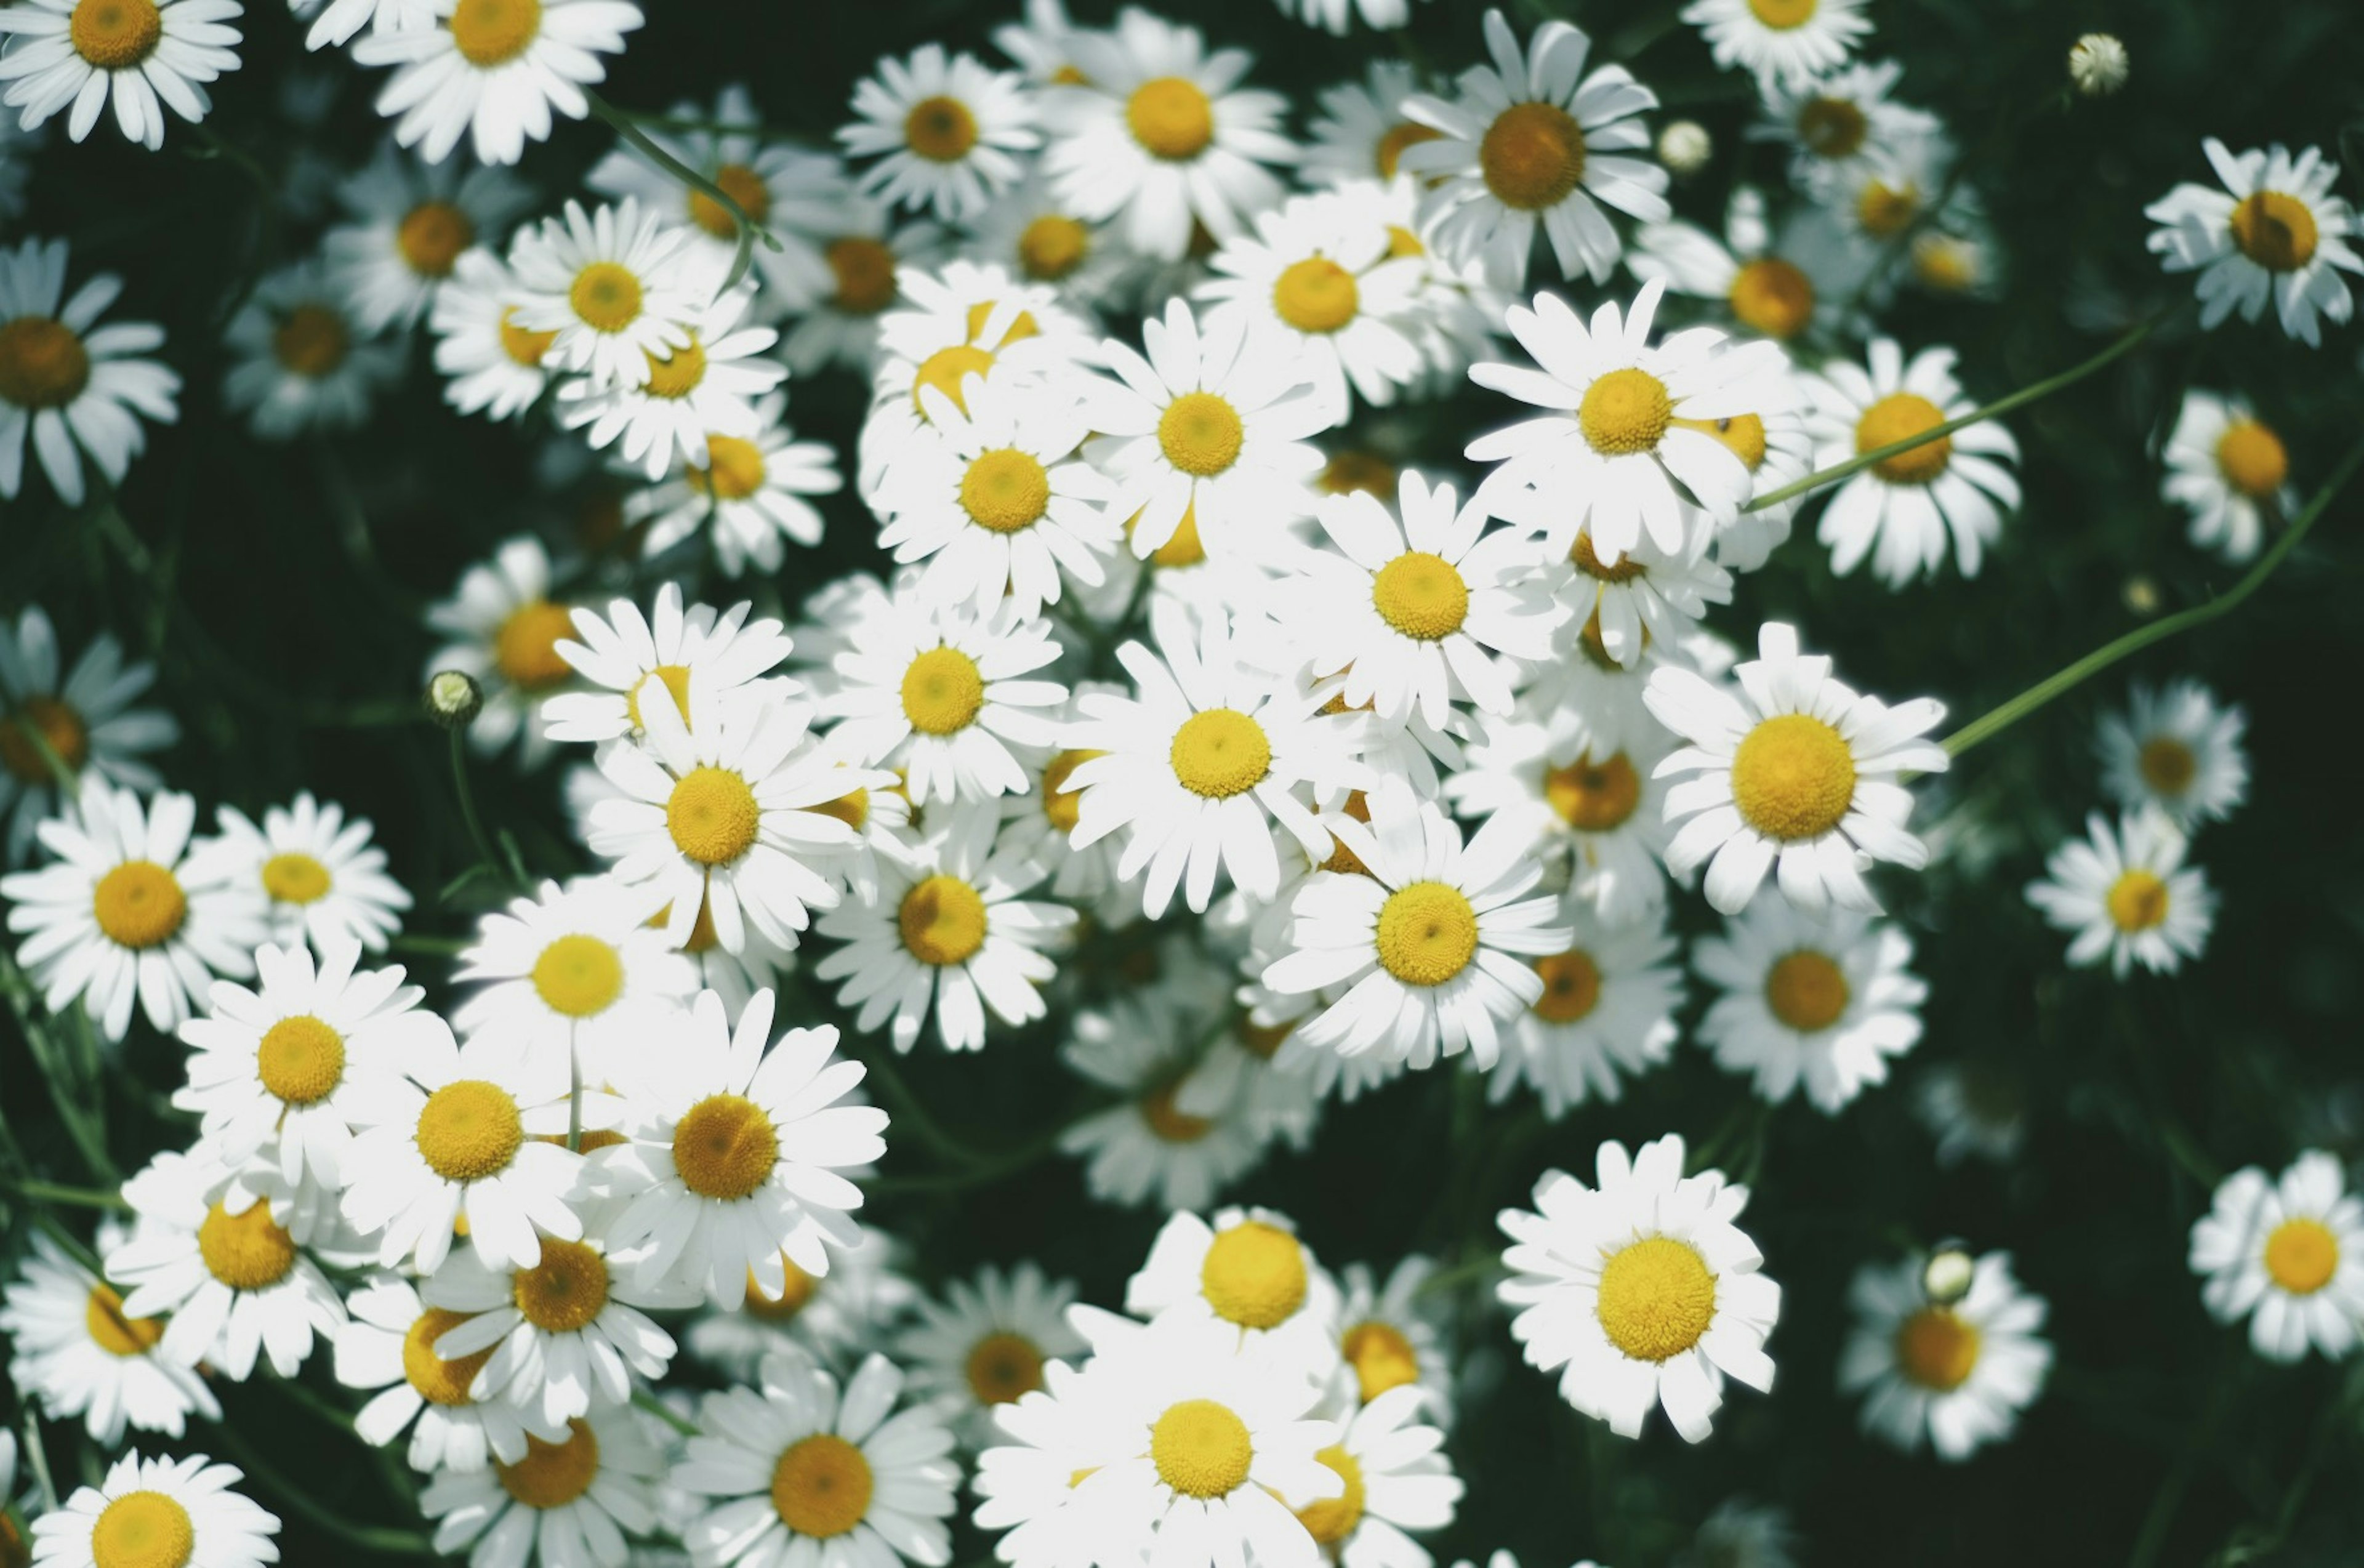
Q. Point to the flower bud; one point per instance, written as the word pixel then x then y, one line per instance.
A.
pixel 1946 1277
pixel 2097 64
pixel 452 698
pixel 1684 147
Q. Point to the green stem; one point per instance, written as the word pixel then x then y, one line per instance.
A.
pixel 493 862
pixel 639 141
pixel 37 1456
pixel 657 1408
pixel 89 1138
pixel 53 1191
pixel 2044 691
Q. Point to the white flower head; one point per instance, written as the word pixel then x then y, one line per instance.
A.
pixel 2288 1253
pixel 2125 892
pixel 1957 1373
pixel 2273 235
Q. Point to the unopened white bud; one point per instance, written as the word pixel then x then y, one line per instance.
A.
pixel 2097 64
pixel 1684 147
pixel 1946 1277
pixel 453 697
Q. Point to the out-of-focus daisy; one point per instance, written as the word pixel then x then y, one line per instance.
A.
pixel 1775 448
pixel 2176 749
pixel 1642 1289
pixel 751 489
pixel 1388 1340
pixel 326 882
pixel 388 1345
pixel 1823 1001
pixel 145 55
pixel 155 1511
pixel 337 21
pixel 1781 288
pixel 947 131
pixel 411 223
pixel 839 303
pixel 2273 235
pixel 1145 1149
pixel 563 1505
pixel 507 630
pixel 74 1347
pixel 82 716
pixel 705 387
pixel 1790 42
pixel 831 1315
pixel 631 658
pixel 1740 1534
pixel 1833 124
pixel 2288 1253
pixel 1531 141
pixel 1956 1371
pixel 304 363
pixel 2125 892
pixel 68 384
pixel 2228 469
pixel 495 70
pixel 1036 236
pixel 1796 768
pixel 1972 1108
pixel 496 367
pixel 1607 1012
pixel 1396 1478
pixel 1362 130
pixel 616 285
pixel 986 1343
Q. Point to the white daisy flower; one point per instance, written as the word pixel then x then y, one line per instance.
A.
pixel 411 222
pixel 325 881
pixel 82 716
pixel 986 1342
pixel 158 1510
pixel 1247 1273
pixel 1157 133
pixel 751 489
pixel 1026 1479
pixel 1823 1000
pixel 1389 1338
pixel 1647 596
pixel 128 913
pixel 863 256
pixel 494 69
pixel 2273 235
pixel 1834 125
pixel 2288 1255
pixel 1796 768
pixel 1972 1108
pixel 1361 131
pixel 304 363
pixel 2176 749
pixel 1396 1478
pixel 834 1315
pixel 949 133
pixel 1642 1289
pixel 68 384
pixel 495 367
pixel 1894 190
pixel 1607 1012
pixel 1039 239
pixel 2228 469
pixel 2125 892
pixel 617 285
pixel 1531 142
pixel 804 1473
pixel 388 1348
pixel 74 1347
pixel 708 386
pixel 1795 42
pixel 508 630
pixel 1239 1076
pixel 147 55
pixel 1145 1150
pixel 1957 1371
pixel 1783 288
pixel 1777 450
pixel 564 1505
pixel 338 20
pixel 624 653
pixel 1039 46
pixel 1038 828
pixel 1581 702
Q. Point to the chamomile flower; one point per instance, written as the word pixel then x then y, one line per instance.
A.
pixel 303 362
pixel 1607 1012
pixel 831 1315
pixel 1531 142
pixel 2229 470
pixel 1397 1479
pixel 862 251
pixel 1835 123
pixel 325 881
pixel 2125 892
pixel 145 55
pixel 1248 1273
pixel 563 1504
pixel 1038 826
pixel 128 913
pixel 1362 130
pixel 75 389
pixel 751 489
pixel 1025 1479
pixel 411 223
pixel 1972 1108
pixel 74 1347
pixel 1823 1001
pixel 2177 748
pixel 1641 1291
pixel 2273 235
pixel 1796 768
pixel 1145 1150
pixel 987 1343
pixel 630 658
pixel 83 716
pixel 1795 42
pixel 705 387
pixel 494 70
pixel 1648 594
pixel 1039 239
pixel 507 630
pixel 389 1346
pixel 338 20
pixel 618 287
pixel 2287 1253
pixel 1777 451
pixel 495 367
pixel 158 1510
pixel 1957 1371
pixel 949 133
pixel 1780 288
pixel 1387 1340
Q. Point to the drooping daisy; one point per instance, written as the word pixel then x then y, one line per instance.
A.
pixel 1834 125
pixel 1531 142
pixel 831 1315
pixel 1395 1479
pixel 507 630
pixel 2125 892
pixel 1362 130
pixel 2228 469
pixel 2288 1254
pixel 83 718
pixel 1824 1001
pixel 1607 1012
pixel 751 489
pixel 618 287
pixel 495 70
pixel 563 1504
pixel 707 387
pixel 74 1347
pixel 1958 1371
pixel 1145 1150
pixel 1643 1289
pixel 1793 42
pixel 495 367
pixel 803 1472
pixel 1249 1273
pixel 158 1510
pixel 1796 768
pixel 68 384
pixel 631 658
pixel 2176 749
pixel 2273 235
pixel 388 1345
pixel 128 913
pixel 986 1342
pixel 411 223
pixel 325 881
pixel 146 55
pixel 948 132
pixel 303 362
pixel 1389 1341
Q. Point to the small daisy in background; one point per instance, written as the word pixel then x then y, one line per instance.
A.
pixel 2176 747
pixel 507 630
pixel 831 1315
pixel 1145 1150
pixel 1786 287
pixel 144 55
pixel 1397 1479
pixel 74 1347
pixel 83 716
pixel 73 388
pixel 2274 235
pixel 1972 1108
pixel 986 1343
pixel 408 226
pixel 751 495
pixel 2125 893
pixel 1607 1012
pixel 325 880
pixel 1944 1348
pixel 155 1511
pixel 2287 1253
pixel 631 657
pixel 550 1505
pixel 304 363
pixel 1361 131
pixel 2230 469
pixel 948 132
pixel 1835 124
pixel 495 367
pixel 1795 42
pixel 1819 1002
pixel 493 71
pixel 1389 1337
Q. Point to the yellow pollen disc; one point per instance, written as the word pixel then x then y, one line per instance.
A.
pixel 142 1529
pixel 1657 1298
pixel 311 343
pixel 712 816
pixel 116 35
pixel 2274 230
pixel 1625 411
pixel 1332 1519
pixel 1171 116
pixel 1063 805
pixel 796 1289
pixel 742 186
pixel 1945 264
pixel 301 1060
pixel 435 1379
pixel 432 235
pixel 1343 859
pixel 1593 797
pixel 1003 1366
pixel 2136 902
pixel 526 647
pixel 725 1147
pixel 1220 753
pixel 1595 647
pixel 1400 135
pixel 820 1487
pixel 946 370
pixel 1588 561
pixel 1254 1275
pixel 734 469
pixel 1261 1040
pixel 1185 549
pixel 1051 247
pixel 1893 418
pixel 295 878
pixel 2301 1255
pixel 1571 986
pixel 527 348
pixel 139 904
pixel 1021 327
pixel 1427 933
pixel 469 1130
pixel 1533 156
pixel 60 728
pixel 1743 436
pixel 1167 1124
pixel 2167 766
pixel 1771 297
pixel 1350 472
pixel 1937 1349
pixel 675 678
pixel 245 1252
pixel 864 269
pixel 565 1291
pixel 943 692
pixel 1833 127
pixel 1783 15
pixel 579 976
pixel 942 921
pixel 104 1320
pixel 1005 490
pixel 1403 242
pixel 493 32
pixel 1200 433
pixel 1421 596
pixel 940 129
pixel 551 1476
pixel 605 297
pixel 1793 777
pixel 679 374
pixel 1316 294
pixel 1382 1358
pixel 2252 459
pixel 1807 990
pixel 1201 1449
pixel 853 809
pixel 1884 209
pixel 1070 75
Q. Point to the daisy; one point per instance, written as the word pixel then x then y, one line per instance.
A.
pixel 618 287
pixel 1156 132
pixel 563 1504
pixel 128 912
pixel 148 55
pixel 751 489
pixel 1624 433
pixel 2230 471
pixel 1790 42
pixel 1026 1478
pixel 74 1347
pixel 1642 1289
pixel 68 384
pixel 1776 449
pixel 1529 142
pixel 304 363
pixel 1835 123
pixel 1145 1150
pixel 494 69
pixel 1247 1273
pixel 411 222
pixel 158 1510
pixel 862 1297
pixel 1900 510
pixel 1396 1478
pixel 2288 1254
pixel 83 718
pixel 496 367
pixel 1602 807
pixel 508 630
pixel 325 881
pixel 707 387
pixel 1240 1077
pixel 987 1343
pixel 1387 1340
pixel 632 659
pixel 388 1345
pixel 339 20
pixel 1648 594
pixel 862 253
pixel 1606 1013
pixel 1888 196
pixel 1783 289
pixel 953 133
pixel 1039 239
pixel 1361 131
pixel 1823 1000
pixel 1796 768
pixel 2274 234
pixel 1743 1535
pixel 2126 892
pixel 1972 1108
pixel 1959 1371
pixel 2177 748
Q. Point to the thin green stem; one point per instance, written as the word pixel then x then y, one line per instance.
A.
pixel 53 1192
pixel 662 1412
pixel 749 231
pixel 38 1455
pixel 89 1136
pixel 468 803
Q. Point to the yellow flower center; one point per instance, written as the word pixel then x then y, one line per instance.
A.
pixel 820 1487
pixel 1885 211
pixel 1171 116
pixel 1945 264
pixel 116 35
pixel 742 186
pixel 551 1476
pixel 712 816
pixel 1342 859
pixel 432 235
pixel 1625 411
pixel 1585 558
pixel 1532 156
pixel 675 678
pixel 245 1252
pixel 1833 127
pixel 725 1147
pixel 942 921
pixel 1332 1519
pixel 1657 1298
pixel 733 470
pixel 2167 766
pixel 853 809
pixel 1315 295
pixel 1201 1449
pixel 1899 416
pixel 1421 596
pixel 946 370
pixel 525 648
pixel 1400 135
pixel 1200 433
pixel 295 878
pixel 527 348
pixel 1220 753
pixel 1003 1366
pixel 1381 1356
pixel 796 1289
pixel 1185 549
pixel 565 1291
pixel 1937 1349
pixel 940 129
pixel 104 1320
pixel 2136 902
pixel 1427 933
pixel 943 692
pixel 1006 490
pixel 679 374
pixel 311 341
pixel 1352 471
pixel 1254 1275
pixel 579 976
pixel 435 1379
pixel 2252 459
pixel 864 269
pixel 1063 805
pixel 301 1060
pixel 1051 247
pixel 489 33
pixel 1806 990
pixel 142 1529
pixel 1783 15
pixel 2274 230
pixel 1593 797
pixel 468 1131
pixel 1403 242
pixel 1743 436
pixel 1772 296
pixel 139 904
pixel 1571 986
pixel 60 728
pixel 1167 1124
pixel 1793 777
pixel 2301 1255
